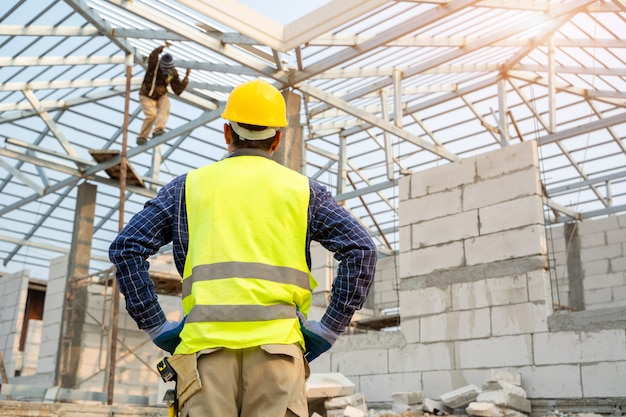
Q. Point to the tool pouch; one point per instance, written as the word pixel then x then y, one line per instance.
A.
pixel 187 376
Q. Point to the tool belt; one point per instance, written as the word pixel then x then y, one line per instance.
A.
pixel 183 370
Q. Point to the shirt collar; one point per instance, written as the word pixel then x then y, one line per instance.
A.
pixel 249 152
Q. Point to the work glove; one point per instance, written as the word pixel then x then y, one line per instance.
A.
pixel 317 337
pixel 167 335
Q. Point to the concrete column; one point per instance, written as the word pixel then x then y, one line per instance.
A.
pixel 575 271
pixel 290 151
pixel 76 296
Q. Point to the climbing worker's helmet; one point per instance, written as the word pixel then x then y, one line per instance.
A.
pixel 257 103
pixel 167 64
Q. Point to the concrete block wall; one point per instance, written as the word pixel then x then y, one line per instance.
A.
pixel 13 293
pixel 52 318
pixel 31 348
pixel 323 269
pixel 603 254
pixel 385 291
pixel 476 293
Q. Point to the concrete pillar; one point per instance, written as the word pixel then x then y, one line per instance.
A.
pixel 290 151
pixel 76 296
pixel 575 271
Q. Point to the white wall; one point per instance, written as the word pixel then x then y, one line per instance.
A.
pixel 13 294
pixel 475 292
pixel 603 254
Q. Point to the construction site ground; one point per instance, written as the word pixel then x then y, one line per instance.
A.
pixel 541 408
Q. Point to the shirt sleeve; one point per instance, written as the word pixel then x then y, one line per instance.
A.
pixel 178 86
pixel 154 58
pixel 339 232
pixel 143 236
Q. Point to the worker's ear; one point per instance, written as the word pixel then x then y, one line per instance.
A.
pixel 276 142
pixel 227 136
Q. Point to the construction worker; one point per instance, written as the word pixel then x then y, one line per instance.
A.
pixel 153 97
pixel 241 229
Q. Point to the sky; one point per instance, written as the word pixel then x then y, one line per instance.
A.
pixel 283 11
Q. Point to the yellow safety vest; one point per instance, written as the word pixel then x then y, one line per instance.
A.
pixel 245 272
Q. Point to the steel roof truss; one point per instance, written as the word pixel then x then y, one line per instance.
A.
pixel 375 121
pixel 21 176
pixel 383 38
pixel 28 235
pixel 45 116
pixel 198 37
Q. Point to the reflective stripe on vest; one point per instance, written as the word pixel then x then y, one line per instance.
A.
pixel 245 273
pixel 220 313
pixel 221 270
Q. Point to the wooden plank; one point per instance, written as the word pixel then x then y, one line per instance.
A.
pixel 101 155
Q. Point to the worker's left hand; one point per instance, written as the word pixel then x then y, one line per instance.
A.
pixel 317 337
pixel 167 335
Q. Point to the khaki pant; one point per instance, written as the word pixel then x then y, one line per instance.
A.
pixel 156 113
pixel 266 381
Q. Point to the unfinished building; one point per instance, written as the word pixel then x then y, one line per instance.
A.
pixel 482 143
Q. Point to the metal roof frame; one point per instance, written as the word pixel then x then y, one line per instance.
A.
pixel 388 88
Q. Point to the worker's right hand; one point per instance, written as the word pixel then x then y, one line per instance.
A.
pixel 167 335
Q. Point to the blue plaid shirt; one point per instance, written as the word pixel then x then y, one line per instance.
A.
pixel 164 220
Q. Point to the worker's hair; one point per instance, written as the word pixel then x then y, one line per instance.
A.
pixel 238 142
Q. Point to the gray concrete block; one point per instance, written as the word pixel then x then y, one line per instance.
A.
pixel 456 325
pixel 364 361
pixel 519 319
pixel 505 399
pixel 558 381
pixel 490 292
pixel 461 396
pixel 426 260
pixel 504 386
pixel 353 412
pixel 435 407
pixel 507 159
pixel 408 397
pixel 496 352
pixel 438 301
pixel 341 402
pixel 444 177
pixel 604 379
pixel 446 229
pixel 499 189
pixel 511 214
pixel 601 252
pixel 509 244
pixel 491 410
pixel 599 225
pixel 325 385
pixel 582 346
pixel 430 207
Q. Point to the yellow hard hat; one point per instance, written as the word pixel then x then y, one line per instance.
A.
pixel 257 103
